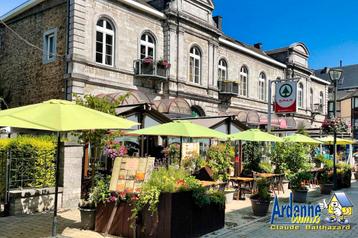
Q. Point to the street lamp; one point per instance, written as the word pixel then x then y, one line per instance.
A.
pixel 335 76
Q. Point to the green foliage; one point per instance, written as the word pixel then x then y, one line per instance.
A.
pixel 290 157
pixel 172 152
pixel 220 159
pixel 343 168
pixel 252 156
pixel 37 155
pixel 194 164
pixel 265 167
pixel 327 163
pixel 297 179
pixel 100 191
pixel 204 197
pixel 323 177
pixel 262 190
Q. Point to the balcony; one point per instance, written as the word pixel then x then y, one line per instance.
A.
pixel 230 88
pixel 151 69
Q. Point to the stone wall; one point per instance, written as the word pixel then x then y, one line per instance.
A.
pixel 24 79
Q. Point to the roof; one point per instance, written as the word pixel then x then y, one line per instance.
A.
pixel 342 199
pixel 350 76
pixel 214 121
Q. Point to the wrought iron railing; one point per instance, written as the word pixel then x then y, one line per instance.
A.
pixel 228 87
pixel 149 68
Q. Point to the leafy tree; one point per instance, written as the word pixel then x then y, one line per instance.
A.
pixel 97 138
pixel 252 155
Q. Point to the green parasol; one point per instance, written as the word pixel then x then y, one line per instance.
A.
pixel 299 138
pixel 255 135
pixel 60 116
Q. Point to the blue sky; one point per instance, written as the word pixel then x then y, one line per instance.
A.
pixel 328 27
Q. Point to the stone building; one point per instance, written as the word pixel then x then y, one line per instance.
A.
pixel 172 54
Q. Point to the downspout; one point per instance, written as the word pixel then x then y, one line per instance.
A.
pixel 178 31
pixel 67 46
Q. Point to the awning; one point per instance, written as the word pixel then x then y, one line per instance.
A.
pixel 249 117
pixel 208 122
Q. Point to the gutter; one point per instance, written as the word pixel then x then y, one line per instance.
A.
pixel 143 8
pixel 320 80
pixel 31 3
pixel 251 52
pixel 20 9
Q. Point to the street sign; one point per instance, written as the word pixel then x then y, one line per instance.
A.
pixel 286 97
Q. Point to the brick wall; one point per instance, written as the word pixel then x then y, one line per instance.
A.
pixel 24 79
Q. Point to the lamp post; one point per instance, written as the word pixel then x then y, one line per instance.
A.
pixel 335 75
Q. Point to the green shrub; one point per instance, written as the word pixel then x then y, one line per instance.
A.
pixel 297 179
pixel 252 155
pixel 37 155
pixel 265 167
pixel 220 159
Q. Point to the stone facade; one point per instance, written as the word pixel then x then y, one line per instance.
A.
pixel 24 79
pixel 176 27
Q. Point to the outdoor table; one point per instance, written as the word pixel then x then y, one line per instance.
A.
pixel 213 184
pixel 276 180
pixel 239 181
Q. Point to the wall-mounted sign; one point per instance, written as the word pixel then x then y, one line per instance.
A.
pixel 286 97
pixel 129 174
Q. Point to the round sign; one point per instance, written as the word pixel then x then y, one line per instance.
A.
pixel 285 90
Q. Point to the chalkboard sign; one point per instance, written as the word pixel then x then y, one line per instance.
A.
pixel 129 174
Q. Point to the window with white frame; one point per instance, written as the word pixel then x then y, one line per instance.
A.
pixel 222 70
pixel 300 95
pixel 147 46
pixel 311 99
pixel 195 65
pixel 262 86
pixel 321 98
pixel 244 75
pixel 49 46
pixel 104 42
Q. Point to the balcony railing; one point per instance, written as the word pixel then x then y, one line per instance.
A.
pixel 228 87
pixel 151 69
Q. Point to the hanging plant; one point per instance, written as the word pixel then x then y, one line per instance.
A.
pixel 334 124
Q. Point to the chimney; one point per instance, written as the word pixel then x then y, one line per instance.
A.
pixel 258 46
pixel 219 22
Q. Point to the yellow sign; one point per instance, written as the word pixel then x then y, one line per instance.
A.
pixel 129 174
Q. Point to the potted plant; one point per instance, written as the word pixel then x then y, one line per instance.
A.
pixel 88 214
pixel 344 175
pixel 261 200
pixel 162 67
pixel 299 190
pixel 324 182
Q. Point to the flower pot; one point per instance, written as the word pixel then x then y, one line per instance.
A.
pixel 299 195
pixel 326 188
pixel 260 207
pixel 229 196
pixel 88 218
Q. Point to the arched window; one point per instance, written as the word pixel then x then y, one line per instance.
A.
pixel 147 46
pixel 311 99
pixel 104 42
pixel 300 95
pixel 262 86
pixel 244 75
pixel 195 65
pixel 321 98
pixel 197 111
pixel 222 70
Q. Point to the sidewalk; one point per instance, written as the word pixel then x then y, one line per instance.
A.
pixel 259 227
pixel 239 221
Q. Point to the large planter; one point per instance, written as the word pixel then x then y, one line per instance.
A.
pixel 119 225
pixel 88 218
pixel 260 207
pixel 344 179
pixel 299 195
pixel 229 196
pixel 326 188
pixel 177 216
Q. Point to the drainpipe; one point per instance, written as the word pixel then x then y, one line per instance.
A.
pixel 178 32
pixel 67 46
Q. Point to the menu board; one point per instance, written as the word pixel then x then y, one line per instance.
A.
pixel 130 173
pixel 189 150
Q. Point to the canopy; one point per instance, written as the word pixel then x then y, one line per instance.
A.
pixel 299 138
pixel 328 140
pixel 61 115
pixel 255 135
pixel 180 129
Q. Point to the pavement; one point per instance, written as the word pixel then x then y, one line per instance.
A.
pixel 239 221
